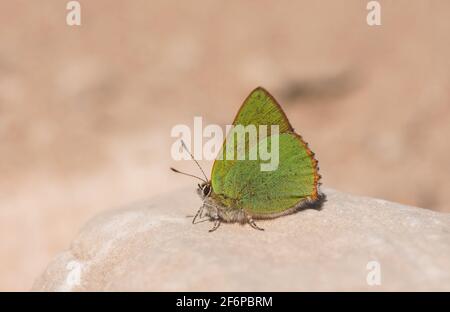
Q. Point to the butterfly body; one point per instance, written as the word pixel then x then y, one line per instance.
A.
pixel 240 191
pixel 218 212
pixel 215 210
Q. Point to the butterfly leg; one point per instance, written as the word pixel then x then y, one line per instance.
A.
pixel 253 224
pixel 199 212
pixel 216 225
pixel 202 220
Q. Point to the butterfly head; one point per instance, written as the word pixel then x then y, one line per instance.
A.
pixel 204 189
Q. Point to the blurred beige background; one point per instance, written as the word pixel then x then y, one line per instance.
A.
pixel 86 112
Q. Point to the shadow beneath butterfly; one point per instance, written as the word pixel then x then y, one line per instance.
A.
pixel 312 204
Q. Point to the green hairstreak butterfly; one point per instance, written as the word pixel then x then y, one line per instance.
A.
pixel 239 191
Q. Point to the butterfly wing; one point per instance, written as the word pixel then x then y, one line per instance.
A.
pixel 261 108
pixel 242 184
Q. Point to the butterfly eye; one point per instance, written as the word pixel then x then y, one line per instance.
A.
pixel 206 190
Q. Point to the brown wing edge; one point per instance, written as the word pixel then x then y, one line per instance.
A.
pixel 315 162
pixel 314 201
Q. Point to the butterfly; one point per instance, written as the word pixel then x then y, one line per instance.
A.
pixel 239 191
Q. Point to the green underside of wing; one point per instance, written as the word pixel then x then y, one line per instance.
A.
pixel 242 184
pixel 260 108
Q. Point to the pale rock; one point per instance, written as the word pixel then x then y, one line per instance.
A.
pixel 152 246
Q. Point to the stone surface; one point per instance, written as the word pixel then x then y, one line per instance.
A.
pixel 153 246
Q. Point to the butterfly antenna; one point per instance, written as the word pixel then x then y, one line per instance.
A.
pixel 190 175
pixel 198 165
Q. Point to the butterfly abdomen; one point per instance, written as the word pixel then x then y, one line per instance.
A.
pixel 227 213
